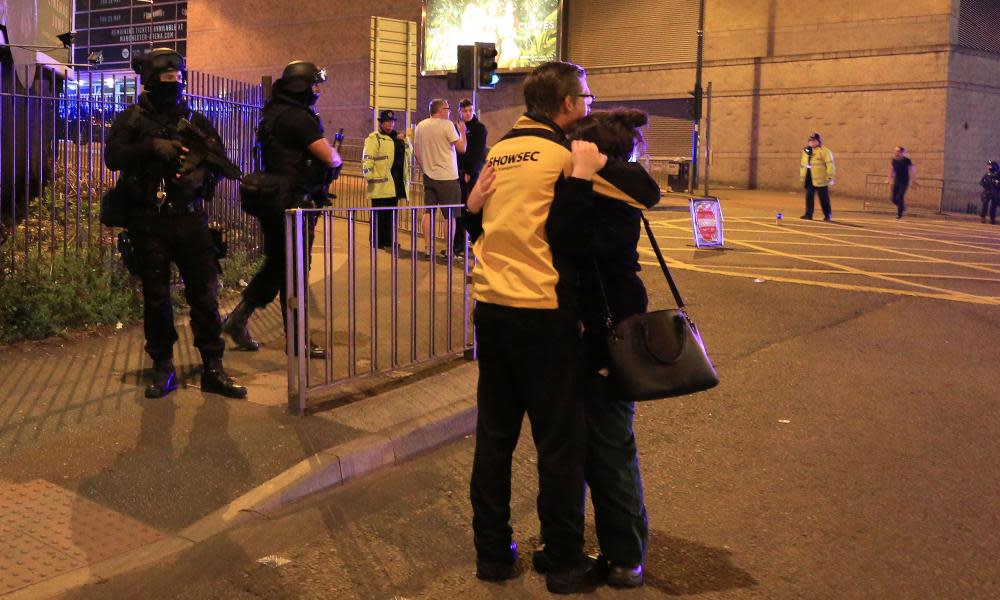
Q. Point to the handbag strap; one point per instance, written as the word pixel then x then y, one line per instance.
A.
pixel 663 264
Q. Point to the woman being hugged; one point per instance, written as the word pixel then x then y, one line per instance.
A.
pixel 607 260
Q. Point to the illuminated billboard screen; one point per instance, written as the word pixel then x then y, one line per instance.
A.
pixel 526 32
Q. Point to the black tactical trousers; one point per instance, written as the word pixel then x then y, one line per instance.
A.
pixel 269 281
pixel 160 239
pixel 529 362
pixel 612 470
pixel 990 203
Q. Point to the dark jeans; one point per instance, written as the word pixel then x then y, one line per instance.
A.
pixel 269 281
pixel 529 362
pixel 185 241
pixel 458 242
pixel 612 471
pixel 382 236
pixel 990 202
pixel 899 195
pixel 824 198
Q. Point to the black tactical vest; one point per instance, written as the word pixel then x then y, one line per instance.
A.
pixel 309 175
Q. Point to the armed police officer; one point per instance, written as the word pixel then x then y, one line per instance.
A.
pixel 290 138
pixel 166 188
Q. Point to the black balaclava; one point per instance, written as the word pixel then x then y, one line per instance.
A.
pixel 165 94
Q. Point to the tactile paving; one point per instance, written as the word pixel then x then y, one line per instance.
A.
pixel 49 530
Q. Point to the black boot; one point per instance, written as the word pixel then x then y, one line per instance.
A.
pixel 235 326
pixel 215 381
pixel 164 379
pixel 316 351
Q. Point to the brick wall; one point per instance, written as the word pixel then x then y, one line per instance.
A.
pixel 972 134
pixel 867 75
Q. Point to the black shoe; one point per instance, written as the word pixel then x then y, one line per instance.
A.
pixel 494 570
pixel 214 380
pixel 498 570
pixel 539 562
pixel 807 217
pixel 828 218
pixel 164 379
pixel 235 326
pixel 623 576
pixel 581 578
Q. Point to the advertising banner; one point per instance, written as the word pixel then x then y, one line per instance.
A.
pixel 706 222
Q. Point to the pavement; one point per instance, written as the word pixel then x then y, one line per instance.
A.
pixel 97 482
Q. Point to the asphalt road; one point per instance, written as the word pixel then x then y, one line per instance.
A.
pixel 849 452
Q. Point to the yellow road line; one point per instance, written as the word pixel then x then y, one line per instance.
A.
pixel 849 269
pixel 841 272
pixel 755 253
pixel 907 253
pixel 987 300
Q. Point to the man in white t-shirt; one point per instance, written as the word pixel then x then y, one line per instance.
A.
pixel 436 142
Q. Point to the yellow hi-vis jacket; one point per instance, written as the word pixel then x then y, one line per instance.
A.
pixel 514 264
pixel 821 166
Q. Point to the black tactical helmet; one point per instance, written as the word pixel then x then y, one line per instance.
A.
pixel 156 61
pixel 299 76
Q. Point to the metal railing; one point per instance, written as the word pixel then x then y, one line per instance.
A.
pixel 925 193
pixel 373 310
pixel 52 157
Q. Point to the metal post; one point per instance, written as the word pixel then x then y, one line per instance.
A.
pixel 693 172
pixel 708 136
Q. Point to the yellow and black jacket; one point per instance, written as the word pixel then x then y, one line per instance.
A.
pixel 515 265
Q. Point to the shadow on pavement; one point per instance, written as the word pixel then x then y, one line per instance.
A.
pixel 680 567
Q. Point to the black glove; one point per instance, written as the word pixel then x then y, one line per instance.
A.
pixel 167 150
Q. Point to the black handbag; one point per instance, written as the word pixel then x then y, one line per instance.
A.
pixel 658 354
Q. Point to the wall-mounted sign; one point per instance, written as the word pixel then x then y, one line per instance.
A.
pixel 119 30
pixel 706 222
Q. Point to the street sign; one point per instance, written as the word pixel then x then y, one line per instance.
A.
pixel 392 82
pixel 706 222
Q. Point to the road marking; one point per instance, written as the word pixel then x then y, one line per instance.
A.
pixel 841 272
pixel 907 253
pixel 932 291
pixel 987 300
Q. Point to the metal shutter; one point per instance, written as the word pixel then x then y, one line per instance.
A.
pixel 978 21
pixel 669 131
pixel 603 33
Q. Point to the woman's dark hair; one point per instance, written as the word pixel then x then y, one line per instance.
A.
pixel 616 132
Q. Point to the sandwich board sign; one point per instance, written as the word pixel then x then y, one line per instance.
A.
pixel 706 222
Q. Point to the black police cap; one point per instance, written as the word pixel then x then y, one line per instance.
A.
pixel 386 115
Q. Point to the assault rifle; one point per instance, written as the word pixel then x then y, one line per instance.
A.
pixel 204 150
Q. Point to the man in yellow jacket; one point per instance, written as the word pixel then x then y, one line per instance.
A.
pixel 528 332
pixel 816 171
pixel 386 166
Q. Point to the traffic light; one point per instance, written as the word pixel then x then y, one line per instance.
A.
pixel 486 53
pixel 696 104
pixel 464 77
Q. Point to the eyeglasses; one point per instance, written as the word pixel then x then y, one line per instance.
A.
pixel 588 98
